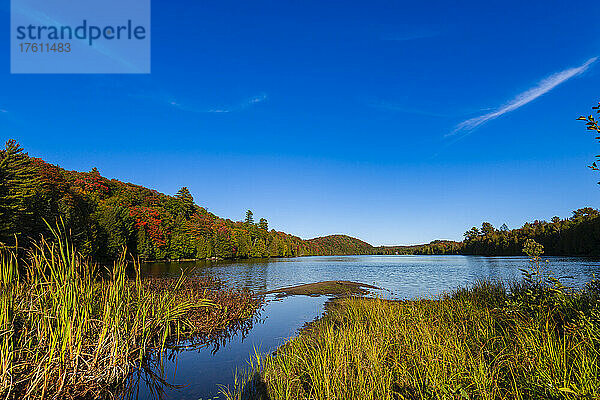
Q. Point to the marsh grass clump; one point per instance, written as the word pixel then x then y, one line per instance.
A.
pixel 536 339
pixel 67 332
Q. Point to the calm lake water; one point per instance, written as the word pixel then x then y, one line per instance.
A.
pixel 198 372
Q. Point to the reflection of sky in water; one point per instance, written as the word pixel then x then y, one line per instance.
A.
pixel 201 372
pixel 405 276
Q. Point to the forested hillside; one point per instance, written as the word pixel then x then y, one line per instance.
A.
pixel 435 247
pixel 105 216
pixel 338 245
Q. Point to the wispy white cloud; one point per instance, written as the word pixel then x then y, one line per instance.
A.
pixel 245 104
pixel 172 102
pixel 523 98
pixel 2 110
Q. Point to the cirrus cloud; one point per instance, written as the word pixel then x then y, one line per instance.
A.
pixel 543 87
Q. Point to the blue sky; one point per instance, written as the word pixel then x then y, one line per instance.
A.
pixel 394 122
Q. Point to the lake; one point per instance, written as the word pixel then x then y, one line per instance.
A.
pixel 196 372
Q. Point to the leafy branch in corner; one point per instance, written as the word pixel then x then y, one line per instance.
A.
pixel 592 125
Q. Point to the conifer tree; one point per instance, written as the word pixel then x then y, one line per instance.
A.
pixel 17 188
pixel 249 218
pixel 263 224
pixel 186 201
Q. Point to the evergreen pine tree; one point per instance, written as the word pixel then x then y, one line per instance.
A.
pixel 263 224
pixel 18 184
pixel 249 218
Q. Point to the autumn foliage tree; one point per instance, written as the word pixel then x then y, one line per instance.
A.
pixel 106 216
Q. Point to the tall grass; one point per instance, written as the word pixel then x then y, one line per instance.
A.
pixel 532 340
pixel 64 332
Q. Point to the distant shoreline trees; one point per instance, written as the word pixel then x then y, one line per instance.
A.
pixel 577 235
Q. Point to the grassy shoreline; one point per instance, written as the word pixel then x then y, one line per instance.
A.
pixel 534 339
pixel 68 332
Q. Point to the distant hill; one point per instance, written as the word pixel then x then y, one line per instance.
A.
pixel 105 216
pixel 339 245
pixel 435 247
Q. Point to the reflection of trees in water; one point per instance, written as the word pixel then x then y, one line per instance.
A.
pixel 216 340
pixel 255 275
pixel 494 268
pixel 151 372
pixel 148 377
pixel 249 274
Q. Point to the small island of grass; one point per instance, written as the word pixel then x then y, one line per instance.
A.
pixel 334 288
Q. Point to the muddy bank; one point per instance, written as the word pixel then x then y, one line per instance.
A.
pixel 338 288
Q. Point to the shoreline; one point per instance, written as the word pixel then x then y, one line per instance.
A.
pixel 479 342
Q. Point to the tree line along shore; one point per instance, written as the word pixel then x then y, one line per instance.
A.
pixel 106 215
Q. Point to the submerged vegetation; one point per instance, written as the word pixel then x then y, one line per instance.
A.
pixel 67 332
pixel 532 339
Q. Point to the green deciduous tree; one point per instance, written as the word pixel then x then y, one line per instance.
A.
pixel 186 202
pixel 471 233
pixel 487 229
pixel 592 125
pixel 116 226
